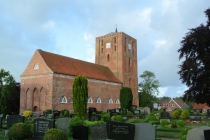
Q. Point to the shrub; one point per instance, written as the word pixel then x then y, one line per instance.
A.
pixel 129 113
pixel 184 137
pixel 66 113
pixel 173 124
pixel 113 118
pixel 75 121
pixel 106 117
pixel 118 118
pixel 20 131
pixel 164 122
pixel 55 134
pixel 180 123
pixel 176 114
pixel 184 114
pixel 135 121
pixel 27 113
pixel 150 118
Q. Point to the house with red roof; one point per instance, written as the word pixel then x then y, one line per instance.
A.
pixel 47 81
pixel 201 107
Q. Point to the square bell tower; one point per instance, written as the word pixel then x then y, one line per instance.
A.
pixel 118 51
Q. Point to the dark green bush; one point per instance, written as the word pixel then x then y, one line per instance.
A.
pixel 180 123
pixel 173 124
pixel 135 121
pixel 55 134
pixel 106 117
pixel 75 121
pixel 150 118
pixel 20 131
pixel 164 122
pixel 66 113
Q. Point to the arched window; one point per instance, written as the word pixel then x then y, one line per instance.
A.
pixel 98 100
pixel 36 66
pixel 89 100
pixel 108 57
pixel 63 99
pixel 110 101
pixel 117 101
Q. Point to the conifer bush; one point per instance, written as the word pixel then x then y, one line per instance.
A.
pixel 180 123
pixel 164 122
pixel 20 131
pixel 184 114
pixel 176 114
pixel 55 134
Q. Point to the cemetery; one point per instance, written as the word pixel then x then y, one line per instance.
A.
pixel 138 124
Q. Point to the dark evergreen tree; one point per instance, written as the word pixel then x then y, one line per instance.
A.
pixel 126 98
pixel 80 96
pixel 195 68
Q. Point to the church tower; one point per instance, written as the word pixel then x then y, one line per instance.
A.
pixel 118 51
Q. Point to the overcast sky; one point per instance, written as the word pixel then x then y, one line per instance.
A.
pixel 69 28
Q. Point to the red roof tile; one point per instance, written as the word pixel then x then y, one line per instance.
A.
pixel 70 66
pixel 200 106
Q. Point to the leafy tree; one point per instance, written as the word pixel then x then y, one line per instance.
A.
pixel 165 98
pixel 195 68
pixel 80 96
pixel 149 84
pixel 7 84
pixel 148 87
pixel 126 97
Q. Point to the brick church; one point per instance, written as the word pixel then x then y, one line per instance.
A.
pixel 47 81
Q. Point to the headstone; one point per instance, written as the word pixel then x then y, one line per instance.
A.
pixel 98 132
pixel 197 133
pixel 80 132
pixel 41 125
pixel 207 134
pixel 144 131
pixel 91 110
pixel 95 117
pixel 136 112
pixel 120 130
pixel 12 119
pixel 208 112
pixel 56 114
pixel 36 115
pixel 133 107
pixel 164 115
pixel 147 110
pixel 63 124
pixel 1 119
pixel 155 105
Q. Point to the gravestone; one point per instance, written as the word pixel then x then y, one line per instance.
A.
pixel 95 117
pixel 120 130
pixel 12 119
pixel 112 112
pixel 63 124
pixel 147 110
pixel 41 125
pixel 80 132
pixel 98 132
pixel 165 116
pixel 1 119
pixel 144 131
pixel 197 133
pixel 208 112
pixel 91 110
pixel 56 114
pixel 36 115
pixel 207 134
pixel 133 107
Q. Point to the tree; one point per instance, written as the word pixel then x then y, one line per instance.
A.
pixel 7 85
pixel 126 97
pixel 149 84
pixel 148 87
pixel 80 96
pixel 195 68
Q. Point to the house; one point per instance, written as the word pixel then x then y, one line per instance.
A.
pixel 201 107
pixel 47 81
pixel 171 104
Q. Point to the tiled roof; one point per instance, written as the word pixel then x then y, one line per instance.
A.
pixel 70 66
pixel 200 106
pixel 181 103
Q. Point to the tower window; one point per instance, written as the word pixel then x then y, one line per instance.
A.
pixel 102 50
pixel 102 43
pixel 125 48
pixel 108 57
pixel 115 48
pixel 115 40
